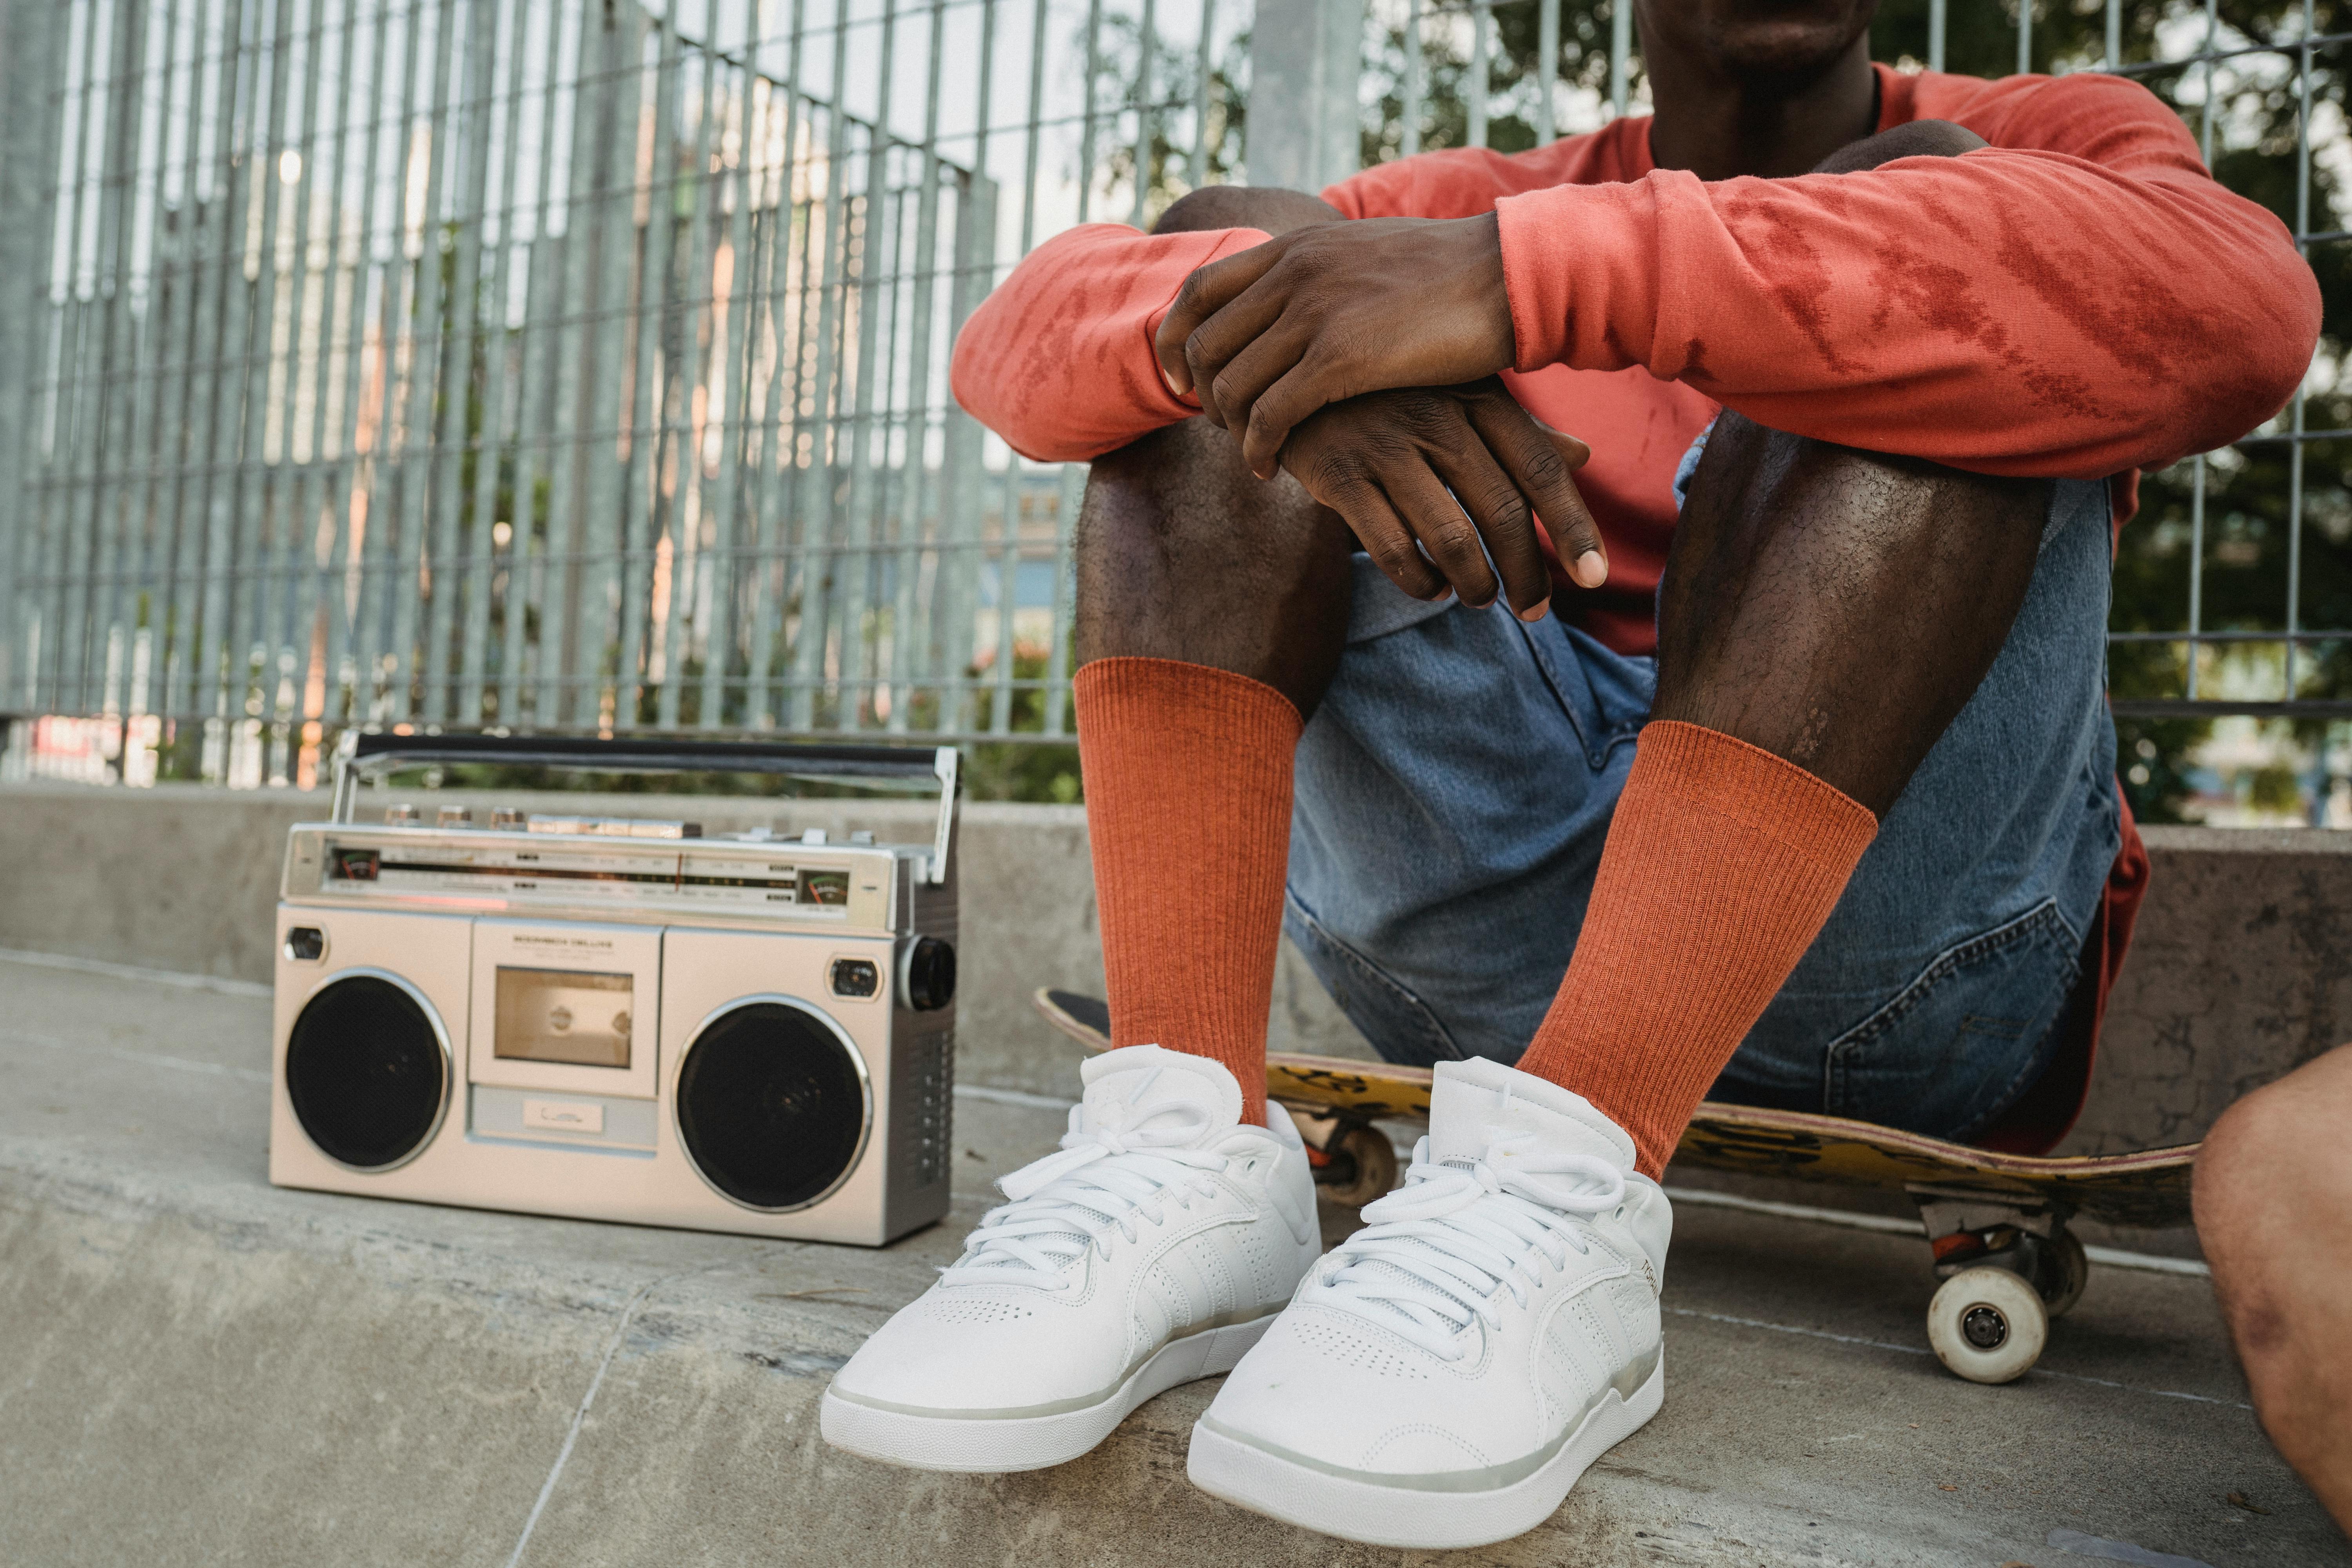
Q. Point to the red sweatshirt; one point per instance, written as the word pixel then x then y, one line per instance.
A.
pixel 2078 300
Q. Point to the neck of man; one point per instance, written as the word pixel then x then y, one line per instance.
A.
pixel 1719 125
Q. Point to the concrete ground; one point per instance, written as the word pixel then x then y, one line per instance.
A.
pixel 196 1367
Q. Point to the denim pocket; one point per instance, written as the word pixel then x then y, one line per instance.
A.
pixel 1958 1044
pixel 1563 666
pixel 1397 1022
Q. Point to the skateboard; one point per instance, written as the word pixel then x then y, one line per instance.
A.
pixel 1996 1223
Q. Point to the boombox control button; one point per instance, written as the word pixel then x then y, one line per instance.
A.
pixel 855 977
pixel 306 944
pixel 930 974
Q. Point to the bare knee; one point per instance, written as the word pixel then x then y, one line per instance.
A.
pixel 1184 553
pixel 1265 207
pixel 1919 139
pixel 1836 607
pixel 2272 1191
pixel 2273 1204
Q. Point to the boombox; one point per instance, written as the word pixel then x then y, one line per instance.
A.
pixel 619 1018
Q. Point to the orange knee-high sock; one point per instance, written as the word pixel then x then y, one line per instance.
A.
pixel 1188 776
pixel 1721 864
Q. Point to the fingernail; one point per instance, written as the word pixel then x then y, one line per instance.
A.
pixel 1536 613
pixel 1590 570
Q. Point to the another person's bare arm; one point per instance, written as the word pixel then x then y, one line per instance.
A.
pixel 2274 1212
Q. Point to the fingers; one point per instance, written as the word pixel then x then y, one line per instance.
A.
pixel 1382 533
pixel 1274 412
pixel 1204 294
pixel 1504 521
pixel 1234 388
pixel 1447 537
pixel 1541 462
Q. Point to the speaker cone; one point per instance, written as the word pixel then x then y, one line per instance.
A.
pixel 772 1105
pixel 367 1072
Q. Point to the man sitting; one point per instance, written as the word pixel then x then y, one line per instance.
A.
pixel 1776 759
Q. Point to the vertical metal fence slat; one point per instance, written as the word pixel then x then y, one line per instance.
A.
pixel 1087 117
pixel 679 498
pixel 1146 124
pixel 109 512
pixel 1620 54
pixel 909 645
pixel 814 633
pixel 870 372
pixel 420 337
pixel 2197 477
pixel 1409 114
pixel 74 515
pixel 1482 77
pixel 171 278
pixel 454 435
pixel 772 499
pixel 731 579
pixel 252 537
pixel 1547 73
pixel 319 622
pixel 2295 448
pixel 1204 85
pixel 286 575
pixel 497 125
pixel 346 471
pixel 963 443
pixel 535 568
pixel 212 667
pixel 647 419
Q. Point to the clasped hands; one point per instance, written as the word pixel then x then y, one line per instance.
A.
pixel 1362 358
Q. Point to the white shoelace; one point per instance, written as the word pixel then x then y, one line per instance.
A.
pixel 1438 1251
pixel 1102 1180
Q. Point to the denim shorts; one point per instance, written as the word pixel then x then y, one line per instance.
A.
pixel 1454 787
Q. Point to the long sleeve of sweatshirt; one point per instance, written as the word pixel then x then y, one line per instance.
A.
pixel 2077 299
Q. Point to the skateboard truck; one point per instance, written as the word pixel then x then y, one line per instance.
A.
pixel 1352 1161
pixel 2008 1265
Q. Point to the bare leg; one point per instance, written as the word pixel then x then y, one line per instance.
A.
pixel 2275 1211
pixel 1184 553
pixel 1835 607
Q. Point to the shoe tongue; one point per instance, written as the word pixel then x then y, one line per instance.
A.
pixel 1472 1104
pixel 1123 1088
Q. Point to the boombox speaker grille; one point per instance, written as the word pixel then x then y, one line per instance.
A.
pixel 367 1073
pixel 772 1105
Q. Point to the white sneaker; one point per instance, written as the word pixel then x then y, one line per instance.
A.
pixel 1155 1249
pixel 1443 1377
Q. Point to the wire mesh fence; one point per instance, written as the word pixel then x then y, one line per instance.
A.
pixel 519 363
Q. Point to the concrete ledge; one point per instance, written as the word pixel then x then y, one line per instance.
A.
pixel 184 878
pixel 2240 970
pixel 200 1368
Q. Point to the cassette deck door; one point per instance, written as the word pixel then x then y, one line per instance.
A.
pixel 567 1007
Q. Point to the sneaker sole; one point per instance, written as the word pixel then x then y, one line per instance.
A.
pixel 990 1446
pixel 1376 1515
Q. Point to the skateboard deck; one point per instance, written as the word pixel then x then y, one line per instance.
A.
pixel 1984 1211
pixel 2149 1188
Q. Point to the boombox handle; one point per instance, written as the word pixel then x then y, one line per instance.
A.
pixel 363 757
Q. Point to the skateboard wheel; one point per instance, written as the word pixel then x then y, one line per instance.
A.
pixel 1374 1158
pixel 1988 1325
pixel 2073 1273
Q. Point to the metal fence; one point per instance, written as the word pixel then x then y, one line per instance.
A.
pixel 526 364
